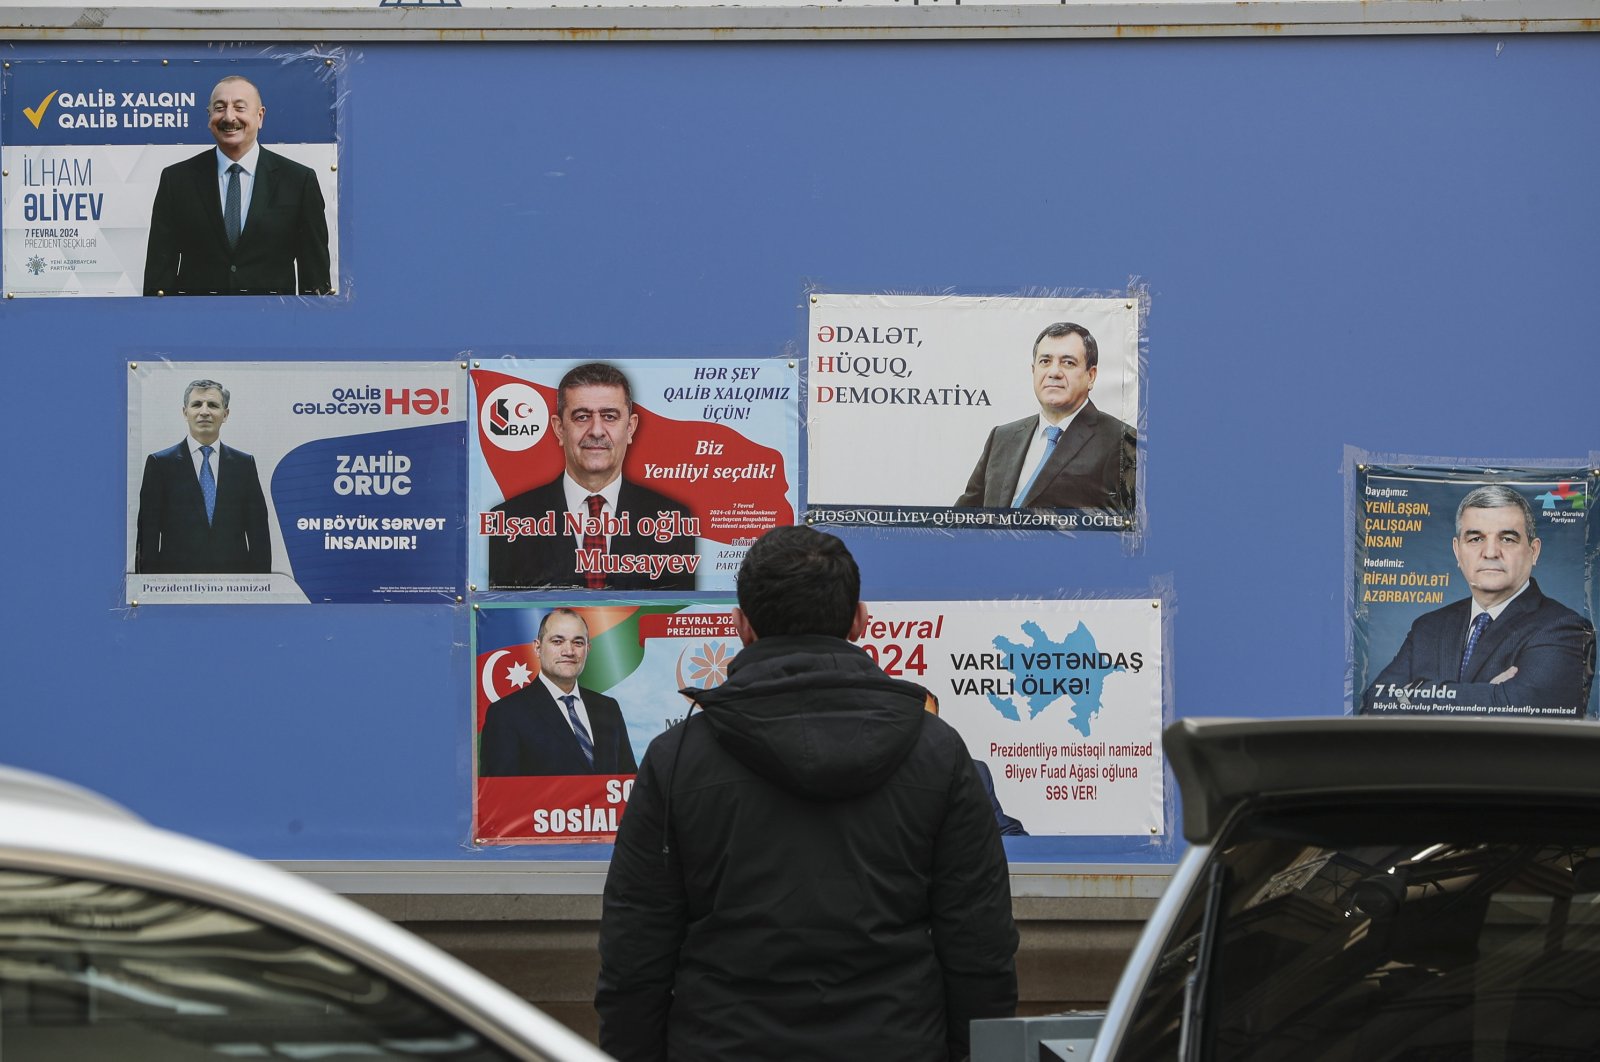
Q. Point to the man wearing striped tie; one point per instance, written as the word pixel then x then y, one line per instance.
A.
pixel 1505 649
pixel 200 504
pixel 553 726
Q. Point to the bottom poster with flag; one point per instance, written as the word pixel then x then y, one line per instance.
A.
pixel 1472 590
pixel 567 697
pixel 1059 702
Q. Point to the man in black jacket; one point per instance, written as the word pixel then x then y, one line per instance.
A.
pixel 810 869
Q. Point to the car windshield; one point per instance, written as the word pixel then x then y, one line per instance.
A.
pixel 93 970
pixel 1386 933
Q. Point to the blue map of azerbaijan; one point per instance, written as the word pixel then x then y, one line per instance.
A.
pixel 1045 671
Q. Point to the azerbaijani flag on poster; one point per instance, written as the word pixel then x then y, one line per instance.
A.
pixel 638 657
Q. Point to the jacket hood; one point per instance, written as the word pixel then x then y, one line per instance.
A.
pixel 814 715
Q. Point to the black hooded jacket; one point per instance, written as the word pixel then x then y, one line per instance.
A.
pixel 810 869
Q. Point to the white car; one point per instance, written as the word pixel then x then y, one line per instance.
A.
pixel 120 941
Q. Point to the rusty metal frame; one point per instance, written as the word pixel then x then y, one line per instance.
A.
pixel 511 20
pixel 522 878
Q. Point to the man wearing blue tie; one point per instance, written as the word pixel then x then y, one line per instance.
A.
pixel 1069 455
pixel 1507 647
pixel 553 726
pixel 237 219
pixel 200 503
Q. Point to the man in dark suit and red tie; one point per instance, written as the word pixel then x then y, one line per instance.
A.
pixel 553 726
pixel 237 219
pixel 1067 456
pixel 595 423
pixel 1507 647
pixel 200 504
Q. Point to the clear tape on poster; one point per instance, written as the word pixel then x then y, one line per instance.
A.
pixel 915 423
pixel 1414 586
pixel 1062 701
pixel 113 183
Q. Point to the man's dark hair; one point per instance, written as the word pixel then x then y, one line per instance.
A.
pixel 592 374
pixel 1091 349
pixel 796 580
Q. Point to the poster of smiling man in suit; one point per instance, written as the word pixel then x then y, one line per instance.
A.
pixel 171 177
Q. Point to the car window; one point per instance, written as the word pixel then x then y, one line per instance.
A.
pixel 1472 941
pixel 91 971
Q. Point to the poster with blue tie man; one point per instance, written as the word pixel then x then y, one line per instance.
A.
pixel 986 412
pixel 159 176
pixel 295 482
pixel 567 697
pixel 1472 589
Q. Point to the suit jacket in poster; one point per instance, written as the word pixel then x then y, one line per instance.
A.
pixel 1092 466
pixel 1551 646
pixel 527 733
pixel 533 561
pixel 173 536
pixel 286 226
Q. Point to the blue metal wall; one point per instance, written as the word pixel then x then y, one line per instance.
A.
pixel 1387 242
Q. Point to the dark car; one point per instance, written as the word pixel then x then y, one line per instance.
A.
pixel 1374 890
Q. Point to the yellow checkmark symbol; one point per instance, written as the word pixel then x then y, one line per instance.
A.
pixel 36 115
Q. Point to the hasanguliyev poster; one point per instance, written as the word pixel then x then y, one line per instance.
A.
pixel 643 474
pixel 283 482
pixel 114 183
pixel 991 412
pixel 1472 590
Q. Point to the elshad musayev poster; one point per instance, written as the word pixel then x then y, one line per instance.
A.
pixel 292 482
pixel 956 411
pixel 686 463
pixel 1472 590
pixel 111 184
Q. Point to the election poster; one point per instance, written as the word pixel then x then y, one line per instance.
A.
pixel 114 181
pixel 989 412
pixel 1471 590
pixel 646 474
pixel 294 482
pixel 623 665
pixel 1059 702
